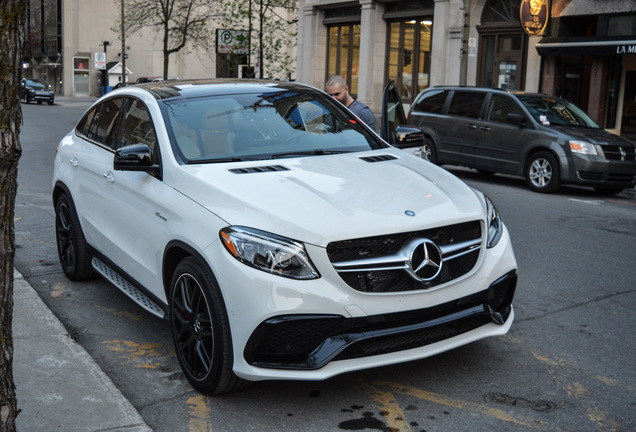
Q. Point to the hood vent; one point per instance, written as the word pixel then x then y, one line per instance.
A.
pixel 259 169
pixel 380 158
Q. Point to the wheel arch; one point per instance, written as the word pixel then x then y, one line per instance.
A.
pixel 555 149
pixel 175 252
pixel 59 189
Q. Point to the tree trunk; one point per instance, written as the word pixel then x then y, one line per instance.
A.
pixel 166 52
pixel 12 19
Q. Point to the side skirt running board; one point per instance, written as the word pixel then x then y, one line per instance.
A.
pixel 127 288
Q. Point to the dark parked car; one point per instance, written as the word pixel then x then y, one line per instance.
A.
pixel 545 139
pixel 35 90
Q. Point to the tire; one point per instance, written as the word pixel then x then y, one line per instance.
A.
pixel 39 102
pixel 608 191
pixel 542 172
pixel 72 250
pixel 427 151
pixel 26 98
pixel 200 330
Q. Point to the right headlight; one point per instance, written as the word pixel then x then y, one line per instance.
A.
pixel 495 226
pixel 268 252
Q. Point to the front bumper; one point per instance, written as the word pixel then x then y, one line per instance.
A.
pixel 49 97
pixel 266 310
pixel 600 172
pixel 309 342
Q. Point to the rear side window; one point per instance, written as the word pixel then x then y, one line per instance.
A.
pixel 466 103
pixel 83 127
pixel 101 124
pixel 431 102
pixel 500 106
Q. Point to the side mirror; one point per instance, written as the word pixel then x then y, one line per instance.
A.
pixel 407 137
pixel 136 157
pixel 516 119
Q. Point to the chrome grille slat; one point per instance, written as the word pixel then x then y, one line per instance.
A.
pixel 382 264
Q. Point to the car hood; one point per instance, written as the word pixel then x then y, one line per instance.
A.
pixel 324 198
pixel 595 136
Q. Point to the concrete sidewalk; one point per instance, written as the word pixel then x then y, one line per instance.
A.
pixel 58 384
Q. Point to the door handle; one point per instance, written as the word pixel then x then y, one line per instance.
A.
pixel 109 176
pixel 73 161
pixel 485 128
pixel 471 126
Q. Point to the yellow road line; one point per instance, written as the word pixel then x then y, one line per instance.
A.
pixel 199 414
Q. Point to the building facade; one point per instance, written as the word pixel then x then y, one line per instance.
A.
pixel 421 43
pixel 589 58
pixel 64 39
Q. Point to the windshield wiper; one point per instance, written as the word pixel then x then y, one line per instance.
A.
pixel 219 160
pixel 317 152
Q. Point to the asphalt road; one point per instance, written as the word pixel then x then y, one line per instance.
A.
pixel 568 363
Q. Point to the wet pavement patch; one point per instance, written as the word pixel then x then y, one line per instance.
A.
pixel 368 421
pixel 538 405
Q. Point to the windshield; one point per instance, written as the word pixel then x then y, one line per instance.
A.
pixel 276 124
pixel 35 84
pixel 556 112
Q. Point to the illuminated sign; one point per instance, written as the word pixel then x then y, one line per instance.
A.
pixel 534 16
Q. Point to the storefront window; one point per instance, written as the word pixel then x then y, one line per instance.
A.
pixel 502 46
pixel 81 83
pixel 343 56
pixel 409 45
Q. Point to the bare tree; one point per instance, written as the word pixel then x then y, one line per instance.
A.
pixel 179 23
pixel 12 22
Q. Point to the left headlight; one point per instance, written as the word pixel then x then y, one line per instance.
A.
pixel 582 147
pixel 495 226
pixel 268 252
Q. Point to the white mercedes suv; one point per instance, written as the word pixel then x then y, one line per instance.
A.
pixel 279 236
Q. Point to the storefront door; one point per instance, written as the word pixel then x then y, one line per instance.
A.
pixel 628 124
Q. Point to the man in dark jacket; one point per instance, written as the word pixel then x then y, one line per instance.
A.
pixel 338 89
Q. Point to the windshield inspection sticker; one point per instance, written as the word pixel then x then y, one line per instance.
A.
pixel 544 120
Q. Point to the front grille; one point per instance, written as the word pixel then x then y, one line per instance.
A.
pixel 611 177
pixel 312 341
pixel 589 175
pixel 621 153
pixel 385 278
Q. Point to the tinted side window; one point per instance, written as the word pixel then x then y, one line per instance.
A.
pixel 111 109
pixel 83 127
pixel 138 127
pixel 500 106
pixel 466 103
pixel 432 102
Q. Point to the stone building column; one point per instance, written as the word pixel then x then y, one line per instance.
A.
pixel 372 55
pixel 307 36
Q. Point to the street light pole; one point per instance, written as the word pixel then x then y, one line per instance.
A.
pixel 260 43
pixel 105 70
pixel 123 46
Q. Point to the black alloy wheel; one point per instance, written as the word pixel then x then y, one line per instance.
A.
pixel 200 330
pixel 542 172
pixel 71 244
